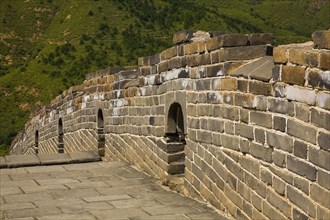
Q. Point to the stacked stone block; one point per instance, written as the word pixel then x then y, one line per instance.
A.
pixel 256 126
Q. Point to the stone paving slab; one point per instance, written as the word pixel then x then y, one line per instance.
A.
pixel 97 190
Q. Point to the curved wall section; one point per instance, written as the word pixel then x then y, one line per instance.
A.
pixel 256 126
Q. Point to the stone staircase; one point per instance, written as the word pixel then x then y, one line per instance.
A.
pixel 174 154
pixel 101 141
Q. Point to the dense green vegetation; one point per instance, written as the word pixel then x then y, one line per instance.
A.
pixel 47 46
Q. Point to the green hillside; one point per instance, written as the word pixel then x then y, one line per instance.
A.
pixel 47 46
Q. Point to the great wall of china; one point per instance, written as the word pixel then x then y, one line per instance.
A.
pixel 242 124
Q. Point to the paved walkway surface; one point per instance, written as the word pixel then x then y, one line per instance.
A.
pixel 98 190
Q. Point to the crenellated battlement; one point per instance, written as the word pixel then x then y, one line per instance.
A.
pixel 243 124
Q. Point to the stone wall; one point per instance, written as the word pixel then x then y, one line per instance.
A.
pixel 247 131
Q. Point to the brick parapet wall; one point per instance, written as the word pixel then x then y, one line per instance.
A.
pixel 256 129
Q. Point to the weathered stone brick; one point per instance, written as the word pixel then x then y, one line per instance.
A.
pixel 213 97
pixel 320 195
pixel 283 174
pixel 258 215
pixel 171 52
pixel 242 85
pixel 281 106
pixel 276 73
pixel 193 123
pixel 280 203
pixel 214 70
pixel 304 57
pixel 234 196
pixel 245 100
pixel 143 61
pixel 229 84
pixel 260 39
pixel 256 201
pixel 301 201
pixel 280 89
pixel 215 57
pixel 280 54
pixel 279 123
pixel 320 119
pixel 243 53
pixel 204 110
pixel 319 157
pixel 260 88
pixel 204 59
pixel 215 125
pixel 214 43
pixel 280 141
pixel 145 71
pixel 293 75
pixel 250 164
pixel 302 112
pixel 229 127
pixel 182 36
pixel 300 94
pixel 234 40
pixel 323 179
pixel 191 48
pixel 301 168
pixel 234 168
pixel 244 131
pixel 203 84
pixel 324 140
pixel 261 152
pixel 298 215
pixel 174 62
pixel 321 39
pixel 271 212
pixel 324 60
pixel 323 100
pixel 216 111
pixel 259 135
pixel 261 119
pixel 181 50
pixel 266 176
pixel 192 61
pixel 244 115
pixel 247 208
pixel 279 185
pixel 229 113
pixel 163 66
pixel 302 184
pixel 216 139
pixel 155 59
pixel 231 142
pixel 318 79
pixel 279 158
pixel 244 191
pixel 323 213
pixel 300 149
pixel 244 146
pixel 301 131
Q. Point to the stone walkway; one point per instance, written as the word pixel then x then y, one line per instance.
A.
pixel 98 190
